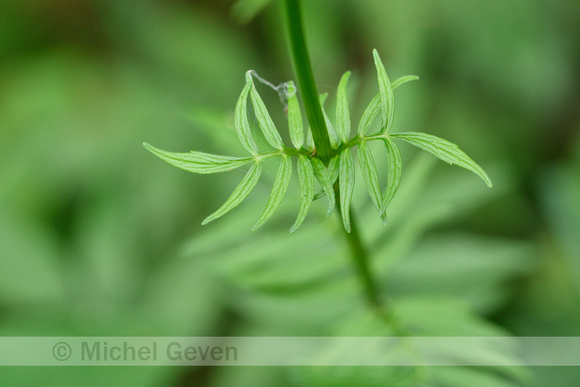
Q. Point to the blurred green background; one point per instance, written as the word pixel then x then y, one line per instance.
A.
pixel 98 237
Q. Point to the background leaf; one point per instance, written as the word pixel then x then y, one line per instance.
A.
pixel 245 10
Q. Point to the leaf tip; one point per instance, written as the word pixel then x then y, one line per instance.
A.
pixel 487 180
pixel 249 76
pixel 376 57
pixel 383 217
pixel 157 152
pixel 148 146
pixel 291 89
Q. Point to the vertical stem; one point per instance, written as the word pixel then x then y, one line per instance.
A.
pixel 306 85
pixel 309 94
pixel 361 258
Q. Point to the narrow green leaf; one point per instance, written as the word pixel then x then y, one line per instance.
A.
pixel 319 195
pixel 264 120
pixel 395 164
pixel 199 162
pixel 334 141
pixel 332 173
pixel 370 115
pixel 445 150
pixel 386 92
pixel 309 140
pixel 374 108
pixel 370 174
pixel 240 193
pixel 333 169
pixel 323 177
pixel 402 80
pixel 306 179
pixel 278 191
pixel 295 124
pixel 346 185
pixel 241 118
pixel 342 110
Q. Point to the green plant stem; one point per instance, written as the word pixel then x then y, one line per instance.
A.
pixel 309 94
pixel 360 257
pixel 305 79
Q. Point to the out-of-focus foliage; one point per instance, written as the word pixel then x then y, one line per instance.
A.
pixel 97 237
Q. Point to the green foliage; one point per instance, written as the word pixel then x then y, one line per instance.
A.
pixel 370 174
pixel 303 285
pixel 242 125
pixel 342 109
pixel 370 115
pixel 325 181
pixel 394 178
pixel 386 93
pixel 445 150
pixel 278 191
pixel 264 119
pixel 334 140
pixel 92 227
pixel 306 179
pixel 346 178
pixel 240 193
pixel 295 125
pixel 199 162
pixel 245 10
pixel 310 167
